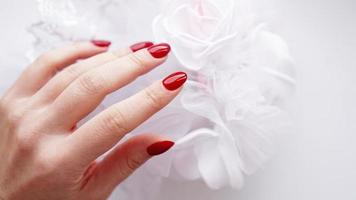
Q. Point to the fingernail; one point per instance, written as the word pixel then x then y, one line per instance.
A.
pixel 141 45
pixel 175 80
pixel 159 50
pixel 159 147
pixel 101 43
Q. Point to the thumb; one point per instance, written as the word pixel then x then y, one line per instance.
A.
pixel 122 162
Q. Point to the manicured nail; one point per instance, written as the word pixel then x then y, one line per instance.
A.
pixel 141 45
pixel 159 50
pixel 101 43
pixel 175 80
pixel 159 148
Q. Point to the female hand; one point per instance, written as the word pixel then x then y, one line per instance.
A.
pixel 43 155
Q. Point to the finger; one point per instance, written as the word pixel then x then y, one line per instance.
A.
pixel 47 65
pixel 103 131
pixel 123 161
pixel 61 81
pixel 86 92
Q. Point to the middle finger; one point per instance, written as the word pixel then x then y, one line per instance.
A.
pixel 84 94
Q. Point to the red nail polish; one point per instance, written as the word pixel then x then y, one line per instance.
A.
pixel 159 148
pixel 175 80
pixel 101 43
pixel 159 50
pixel 141 45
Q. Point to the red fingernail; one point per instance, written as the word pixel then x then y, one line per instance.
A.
pixel 175 80
pixel 159 148
pixel 141 45
pixel 101 43
pixel 159 50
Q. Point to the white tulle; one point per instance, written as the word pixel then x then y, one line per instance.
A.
pixel 230 112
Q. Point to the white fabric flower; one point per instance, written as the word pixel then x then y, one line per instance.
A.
pixel 241 74
pixel 201 31
pixel 243 125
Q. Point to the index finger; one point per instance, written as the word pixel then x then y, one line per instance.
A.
pixel 102 132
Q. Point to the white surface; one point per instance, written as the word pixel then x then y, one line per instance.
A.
pixel 319 161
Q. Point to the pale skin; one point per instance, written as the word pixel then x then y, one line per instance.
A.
pixel 42 153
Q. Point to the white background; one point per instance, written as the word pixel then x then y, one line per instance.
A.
pixel 319 160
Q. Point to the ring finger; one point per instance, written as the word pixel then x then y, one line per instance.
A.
pixel 57 85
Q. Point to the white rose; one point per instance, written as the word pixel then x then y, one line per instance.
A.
pixel 203 31
pixel 244 73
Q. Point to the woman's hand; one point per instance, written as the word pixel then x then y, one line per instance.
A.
pixel 42 153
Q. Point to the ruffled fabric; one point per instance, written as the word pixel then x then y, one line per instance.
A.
pixel 240 76
pixel 198 29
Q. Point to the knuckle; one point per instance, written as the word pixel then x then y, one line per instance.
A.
pixel 132 163
pixel 46 165
pixel 91 84
pixel 153 99
pixel 50 161
pixel 14 114
pixel 137 61
pixel 71 72
pixel 115 121
pixel 25 142
pixel 14 118
pixel 129 164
